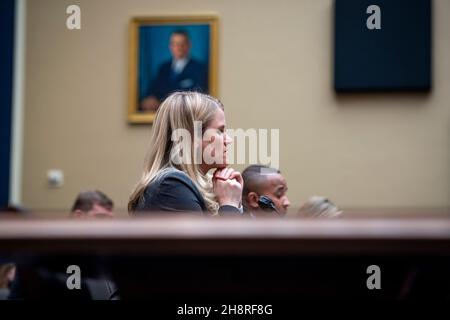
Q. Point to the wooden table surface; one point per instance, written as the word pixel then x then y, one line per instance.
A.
pixel 215 236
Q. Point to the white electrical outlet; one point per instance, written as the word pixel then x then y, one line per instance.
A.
pixel 55 178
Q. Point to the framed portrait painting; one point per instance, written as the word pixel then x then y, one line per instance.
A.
pixel 169 54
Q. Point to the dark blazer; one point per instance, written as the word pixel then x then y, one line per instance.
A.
pixel 193 77
pixel 174 191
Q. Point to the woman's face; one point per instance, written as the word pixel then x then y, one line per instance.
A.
pixel 214 143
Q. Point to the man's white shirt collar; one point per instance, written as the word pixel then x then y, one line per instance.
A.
pixel 179 64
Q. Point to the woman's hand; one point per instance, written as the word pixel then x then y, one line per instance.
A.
pixel 228 185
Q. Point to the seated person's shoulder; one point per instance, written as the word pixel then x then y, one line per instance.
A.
pixel 172 189
pixel 170 178
pixel 175 176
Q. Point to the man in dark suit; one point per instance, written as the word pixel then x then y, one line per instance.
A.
pixel 182 72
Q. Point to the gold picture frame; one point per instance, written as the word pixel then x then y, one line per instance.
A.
pixel 150 37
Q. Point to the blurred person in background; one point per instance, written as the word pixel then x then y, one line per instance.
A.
pixel 44 277
pixel 7 275
pixel 92 204
pixel 319 207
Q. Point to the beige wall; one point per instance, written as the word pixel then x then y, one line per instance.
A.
pixel 275 71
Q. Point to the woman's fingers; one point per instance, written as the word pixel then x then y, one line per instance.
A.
pixel 224 174
pixel 227 174
pixel 216 173
pixel 220 174
pixel 228 191
pixel 237 175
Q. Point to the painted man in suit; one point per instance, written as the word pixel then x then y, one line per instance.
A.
pixel 182 72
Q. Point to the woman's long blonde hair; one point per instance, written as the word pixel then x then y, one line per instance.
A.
pixel 178 111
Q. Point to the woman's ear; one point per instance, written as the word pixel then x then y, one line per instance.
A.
pixel 252 200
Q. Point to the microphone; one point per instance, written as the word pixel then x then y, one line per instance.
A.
pixel 267 204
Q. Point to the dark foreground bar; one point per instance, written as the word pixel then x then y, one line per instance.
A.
pixel 186 259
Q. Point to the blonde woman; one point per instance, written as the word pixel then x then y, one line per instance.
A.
pixel 188 141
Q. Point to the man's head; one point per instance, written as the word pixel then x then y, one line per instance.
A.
pixel 260 181
pixel 180 44
pixel 319 207
pixel 92 204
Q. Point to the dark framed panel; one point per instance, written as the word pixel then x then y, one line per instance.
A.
pixel 383 45
pixel 7 11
